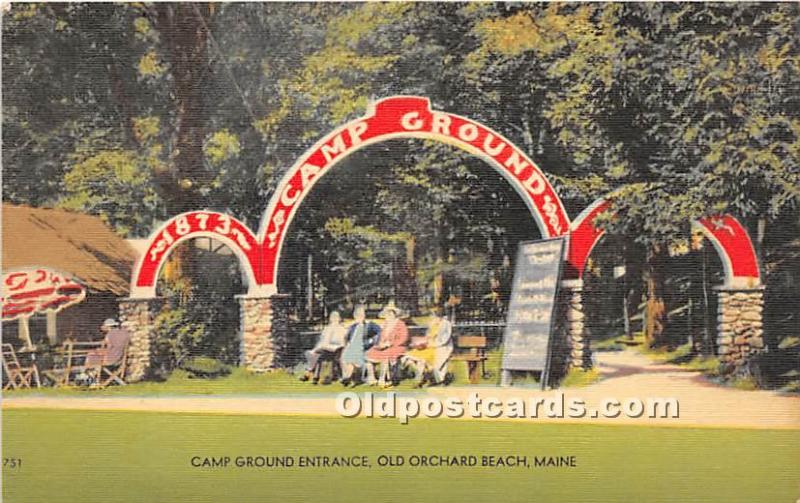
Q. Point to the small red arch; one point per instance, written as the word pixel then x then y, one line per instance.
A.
pixel 725 232
pixel 219 226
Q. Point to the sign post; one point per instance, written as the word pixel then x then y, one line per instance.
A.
pixel 527 341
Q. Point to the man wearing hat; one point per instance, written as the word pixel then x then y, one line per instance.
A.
pixel 116 339
pixel 390 347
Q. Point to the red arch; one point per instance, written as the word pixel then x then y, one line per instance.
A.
pixel 725 232
pixel 193 224
pixel 405 117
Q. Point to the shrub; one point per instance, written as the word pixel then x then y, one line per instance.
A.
pixel 176 336
pixel 204 367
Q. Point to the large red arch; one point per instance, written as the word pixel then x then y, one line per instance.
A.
pixel 726 233
pixel 404 117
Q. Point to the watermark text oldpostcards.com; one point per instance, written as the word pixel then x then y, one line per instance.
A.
pixel 552 406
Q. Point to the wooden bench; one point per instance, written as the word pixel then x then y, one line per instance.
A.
pixel 472 350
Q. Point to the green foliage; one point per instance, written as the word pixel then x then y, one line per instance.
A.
pixel 204 367
pixel 716 127
pixel 176 337
pixel 221 146
pixel 116 185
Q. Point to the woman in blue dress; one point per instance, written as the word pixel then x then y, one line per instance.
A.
pixel 361 335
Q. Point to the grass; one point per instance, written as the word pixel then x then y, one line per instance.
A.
pixel 578 378
pixel 706 364
pixel 667 355
pixel 744 383
pixel 145 456
pixel 791 387
pixel 181 382
pixel 243 382
pixel 682 355
pixel 610 344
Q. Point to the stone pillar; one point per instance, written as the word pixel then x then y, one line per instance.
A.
pixel 263 332
pixel 739 327
pixel 577 341
pixel 137 316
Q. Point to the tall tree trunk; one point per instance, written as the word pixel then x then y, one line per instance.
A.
pixel 761 232
pixel 183 29
pixel 411 265
pixel 633 284
pixel 656 313
pixel 438 282
pixel 405 278
pixel 708 341
pixel 184 32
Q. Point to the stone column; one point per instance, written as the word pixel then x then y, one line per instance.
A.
pixel 739 327
pixel 577 341
pixel 137 316
pixel 263 332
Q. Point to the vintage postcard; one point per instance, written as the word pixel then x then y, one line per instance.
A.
pixel 399 251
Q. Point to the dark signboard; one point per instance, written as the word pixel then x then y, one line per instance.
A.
pixel 526 341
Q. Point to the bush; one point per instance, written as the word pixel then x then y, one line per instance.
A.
pixel 205 368
pixel 176 336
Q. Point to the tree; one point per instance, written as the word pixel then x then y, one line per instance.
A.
pixel 661 104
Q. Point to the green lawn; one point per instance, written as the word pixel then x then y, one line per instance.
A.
pixel 134 456
pixel 243 382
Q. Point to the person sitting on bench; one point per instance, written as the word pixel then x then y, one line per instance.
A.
pixel 361 336
pixel 390 347
pixel 434 353
pixel 328 348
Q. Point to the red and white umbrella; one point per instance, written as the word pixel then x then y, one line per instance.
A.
pixel 30 291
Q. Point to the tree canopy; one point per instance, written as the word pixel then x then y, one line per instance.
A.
pixel 136 112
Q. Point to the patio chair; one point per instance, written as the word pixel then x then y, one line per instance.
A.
pixel 105 361
pixel 111 369
pixel 73 355
pixel 18 376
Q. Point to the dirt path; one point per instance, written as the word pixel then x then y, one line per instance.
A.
pixel 628 374
pixel 625 375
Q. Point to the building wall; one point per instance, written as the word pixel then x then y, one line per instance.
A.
pixel 79 322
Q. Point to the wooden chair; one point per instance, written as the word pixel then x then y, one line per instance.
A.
pixel 73 357
pixel 108 373
pixel 77 362
pixel 475 354
pixel 18 376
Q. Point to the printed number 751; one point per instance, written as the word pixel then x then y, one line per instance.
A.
pixel 12 463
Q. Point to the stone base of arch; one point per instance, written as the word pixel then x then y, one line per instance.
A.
pixel 739 327
pixel 264 332
pixel 137 316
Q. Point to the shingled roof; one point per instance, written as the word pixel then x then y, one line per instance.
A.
pixel 73 243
